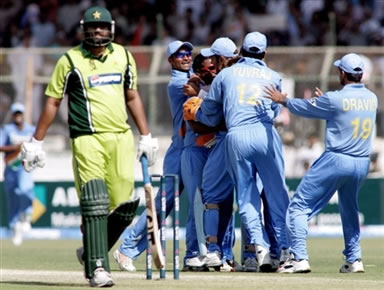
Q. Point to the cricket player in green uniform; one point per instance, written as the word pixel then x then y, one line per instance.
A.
pixel 99 78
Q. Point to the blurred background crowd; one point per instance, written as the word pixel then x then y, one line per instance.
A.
pixel 52 23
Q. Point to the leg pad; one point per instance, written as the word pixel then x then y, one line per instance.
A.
pixel 119 219
pixel 94 203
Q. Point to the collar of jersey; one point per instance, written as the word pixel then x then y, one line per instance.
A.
pixel 182 73
pixel 355 85
pixel 250 60
pixel 87 54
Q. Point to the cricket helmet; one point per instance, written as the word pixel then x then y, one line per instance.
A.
pixel 93 16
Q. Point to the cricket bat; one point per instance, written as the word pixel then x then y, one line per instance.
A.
pixel 152 223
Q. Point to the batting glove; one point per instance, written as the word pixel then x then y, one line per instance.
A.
pixel 32 154
pixel 148 146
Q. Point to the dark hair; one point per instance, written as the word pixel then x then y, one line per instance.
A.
pixel 252 54
pixel 233 60
pixel 354 77
pixel 198 62
pixel 197 66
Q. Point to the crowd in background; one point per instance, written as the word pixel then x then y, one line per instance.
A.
pixel 148 22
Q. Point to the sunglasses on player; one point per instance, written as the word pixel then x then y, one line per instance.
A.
pixel 210 68
pixel 181 54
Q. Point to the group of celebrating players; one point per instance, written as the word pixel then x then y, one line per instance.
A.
pixel 224 148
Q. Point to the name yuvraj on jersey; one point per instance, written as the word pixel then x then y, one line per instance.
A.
pixel 252 72
pixel 105 79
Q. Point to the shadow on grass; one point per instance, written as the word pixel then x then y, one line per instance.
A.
pixel 47 284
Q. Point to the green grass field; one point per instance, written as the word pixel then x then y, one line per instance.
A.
pixel 51 264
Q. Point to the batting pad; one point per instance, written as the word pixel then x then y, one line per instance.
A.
pixel 120 218
pixel 94 203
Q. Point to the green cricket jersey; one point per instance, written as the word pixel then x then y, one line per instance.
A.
pixel 95 88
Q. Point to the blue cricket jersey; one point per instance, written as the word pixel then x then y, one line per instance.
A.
pixel 350 114
pixel 11 135
pixel 176 100
pixel 252 142
pixel 238 93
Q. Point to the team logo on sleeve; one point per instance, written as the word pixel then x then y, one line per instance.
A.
pixel 313 101
pixel 105 79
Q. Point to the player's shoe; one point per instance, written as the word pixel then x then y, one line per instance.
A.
pixel 293 266
pixel 26 226
pixel 25 223
pixel 227 266
pixel 80 255
pixel 263 259
pixel 213 259
pixel 285 255
pixel 195 264
pixel 355 267
pixel 101 278
pixel 125 263
pixel 275 264
pixel 237 267
pixel 17 234
pixel 250 265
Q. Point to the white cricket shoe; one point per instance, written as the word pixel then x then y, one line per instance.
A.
pixel 17 234
pixel 25 223
pixel 26 226
pixel 285 255
pixel 293 266
pixel 101 278
pixel 125 263
pixel 213 259
pixel 355 267
pixel 263 259
pixel 227 266
pixel 250 265
pixel 195 262
pixel 80 255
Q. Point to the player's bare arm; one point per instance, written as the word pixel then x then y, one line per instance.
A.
pixel 136 109
pixel 192 87
pixel 10 148
pixel 147 144
pixel 46 118
pixel 32 153
pixel 276 96
pixel 191 90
